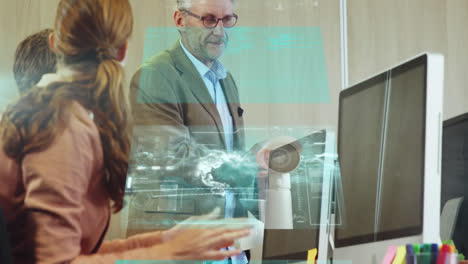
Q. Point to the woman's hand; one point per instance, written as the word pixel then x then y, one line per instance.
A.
pixel 202 238
pixel 200 244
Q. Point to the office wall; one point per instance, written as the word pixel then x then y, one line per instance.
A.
pixel 456 90
pixel 381 33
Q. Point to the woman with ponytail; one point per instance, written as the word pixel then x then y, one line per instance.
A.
pixel 64 149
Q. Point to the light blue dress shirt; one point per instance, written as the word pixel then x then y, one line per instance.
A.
pixel 211 79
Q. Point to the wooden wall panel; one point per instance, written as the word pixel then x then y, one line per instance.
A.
pixel 456 88
pixel 382 33
pixel 7 42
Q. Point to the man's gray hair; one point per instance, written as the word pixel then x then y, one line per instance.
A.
pixel 186 4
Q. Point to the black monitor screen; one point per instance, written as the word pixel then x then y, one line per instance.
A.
pixel 381 152
pixel 454 174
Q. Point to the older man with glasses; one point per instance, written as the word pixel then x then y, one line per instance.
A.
pixel 187 99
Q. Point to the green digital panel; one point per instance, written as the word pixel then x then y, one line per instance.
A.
pixel 269 64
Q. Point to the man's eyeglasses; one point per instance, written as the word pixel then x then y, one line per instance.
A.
pixel 211 21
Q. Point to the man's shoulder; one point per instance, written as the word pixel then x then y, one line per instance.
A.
pixel 160 65
pixel 162 60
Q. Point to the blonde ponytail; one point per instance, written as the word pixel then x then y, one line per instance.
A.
pixel 111 115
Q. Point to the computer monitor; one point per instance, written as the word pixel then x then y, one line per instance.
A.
pixel 454 169
pixel 454 158
pixel 389 148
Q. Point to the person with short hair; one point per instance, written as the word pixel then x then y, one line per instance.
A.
pixel 33 58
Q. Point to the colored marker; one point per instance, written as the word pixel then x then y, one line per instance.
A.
pixel 400 255
pixel 390 255
pixel 417 252
pixel 442 258
pixel 410 256
pixel 426 254
pixel 311 256
pixel 416 248
pixel 453 259
pixel 434 253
